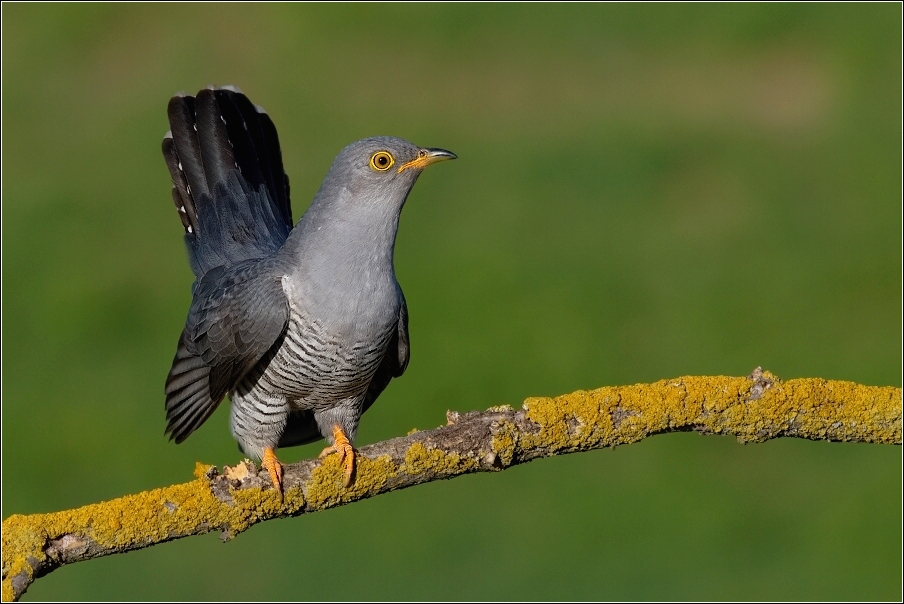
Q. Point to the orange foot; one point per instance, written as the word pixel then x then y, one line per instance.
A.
pixel 346 452
pixel 274 468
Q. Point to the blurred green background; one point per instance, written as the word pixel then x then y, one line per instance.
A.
pixel 644 192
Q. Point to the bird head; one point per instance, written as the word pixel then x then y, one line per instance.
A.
pixel 356 211
pixel 382 168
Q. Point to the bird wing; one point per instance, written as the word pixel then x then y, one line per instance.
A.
pixel 395 361
pixel 238 315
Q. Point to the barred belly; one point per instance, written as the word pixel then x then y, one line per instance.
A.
pixel 307 369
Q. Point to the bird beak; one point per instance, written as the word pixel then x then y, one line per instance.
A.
pixel 425 157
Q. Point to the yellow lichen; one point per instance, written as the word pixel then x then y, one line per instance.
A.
pixel 201 470
pixel 504 443
pixel 137 520
pixel 325 488
pixel 568 421
pixel 122 523
pixel 23 538
pixel 812 408
pixel 421 460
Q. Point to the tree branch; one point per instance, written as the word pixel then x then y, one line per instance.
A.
pixel 754 409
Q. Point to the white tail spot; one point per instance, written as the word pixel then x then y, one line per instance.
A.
pixel 182 209
pixel 189 229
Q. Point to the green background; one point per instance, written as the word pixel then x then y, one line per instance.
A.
pixel 643 192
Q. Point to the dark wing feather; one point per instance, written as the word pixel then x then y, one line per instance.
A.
pixel 237 315
pixel 188 401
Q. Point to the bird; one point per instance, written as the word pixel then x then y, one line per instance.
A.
pixel 302 326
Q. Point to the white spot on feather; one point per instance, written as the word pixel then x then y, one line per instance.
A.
pixel 189 229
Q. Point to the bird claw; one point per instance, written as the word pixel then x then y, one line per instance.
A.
pixel 346 452
pixel 275 469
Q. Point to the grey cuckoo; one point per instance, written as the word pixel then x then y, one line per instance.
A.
pixel 303 327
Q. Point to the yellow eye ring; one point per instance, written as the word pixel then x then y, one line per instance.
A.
pixel 381 161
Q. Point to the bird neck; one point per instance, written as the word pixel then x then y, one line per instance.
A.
pixel 345 242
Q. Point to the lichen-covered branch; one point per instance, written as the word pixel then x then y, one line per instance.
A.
pixel 753 408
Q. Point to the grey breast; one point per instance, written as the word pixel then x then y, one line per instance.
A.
pixel 314 367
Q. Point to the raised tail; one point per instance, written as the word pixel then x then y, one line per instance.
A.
pixel 229 186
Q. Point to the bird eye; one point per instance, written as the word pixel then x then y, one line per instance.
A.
pixel 381 161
